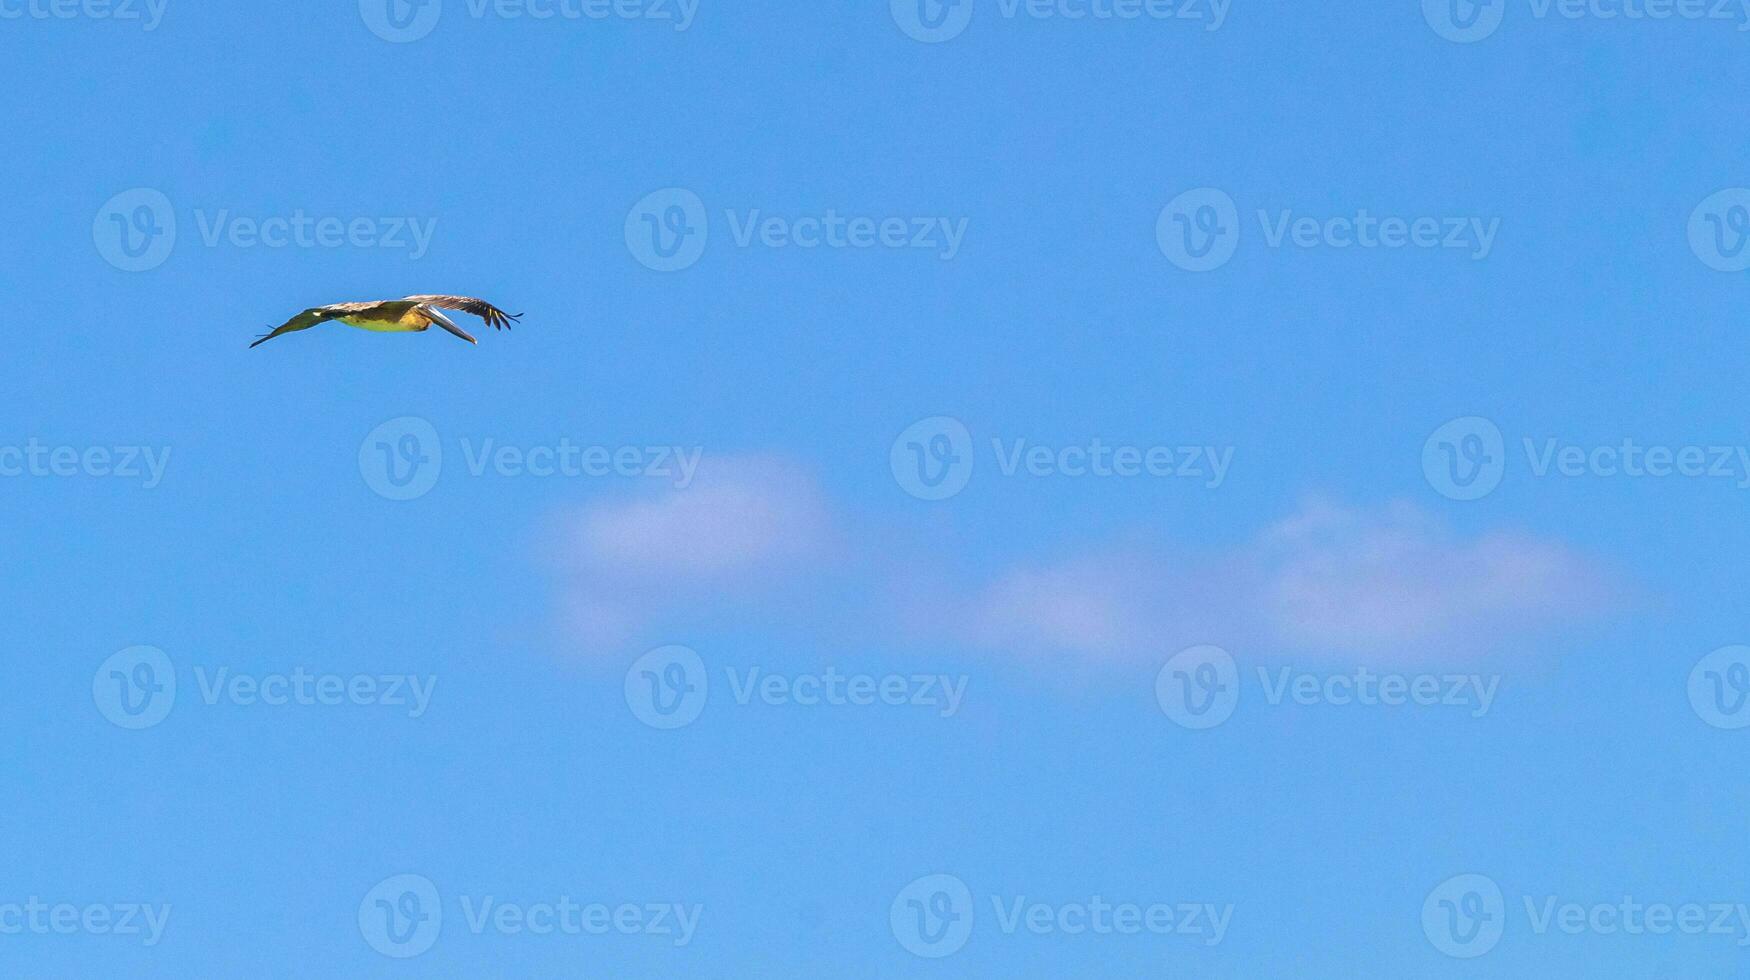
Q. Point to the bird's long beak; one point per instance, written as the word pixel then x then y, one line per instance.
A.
pixel 445 322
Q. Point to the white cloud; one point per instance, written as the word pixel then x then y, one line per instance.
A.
pixel 1086 604
pixel 745 526
pixel 1339 578
pixel 739 515
pixel 753 538
pixel 1392 584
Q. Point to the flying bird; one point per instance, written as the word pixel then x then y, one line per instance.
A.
pixel 410 315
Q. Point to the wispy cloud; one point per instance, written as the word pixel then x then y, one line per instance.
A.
pixel 755 537
pixel 1389 584
pixel 1095 604
pixel 741 515
pixel 1339 578
pixel 745 525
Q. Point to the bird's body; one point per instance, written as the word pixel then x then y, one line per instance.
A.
pixel 410 315
pixel 388 319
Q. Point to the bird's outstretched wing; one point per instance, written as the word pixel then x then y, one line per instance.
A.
pixel 494 317
pixel 303 321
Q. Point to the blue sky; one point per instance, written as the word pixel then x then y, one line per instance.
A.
pixel 975 491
